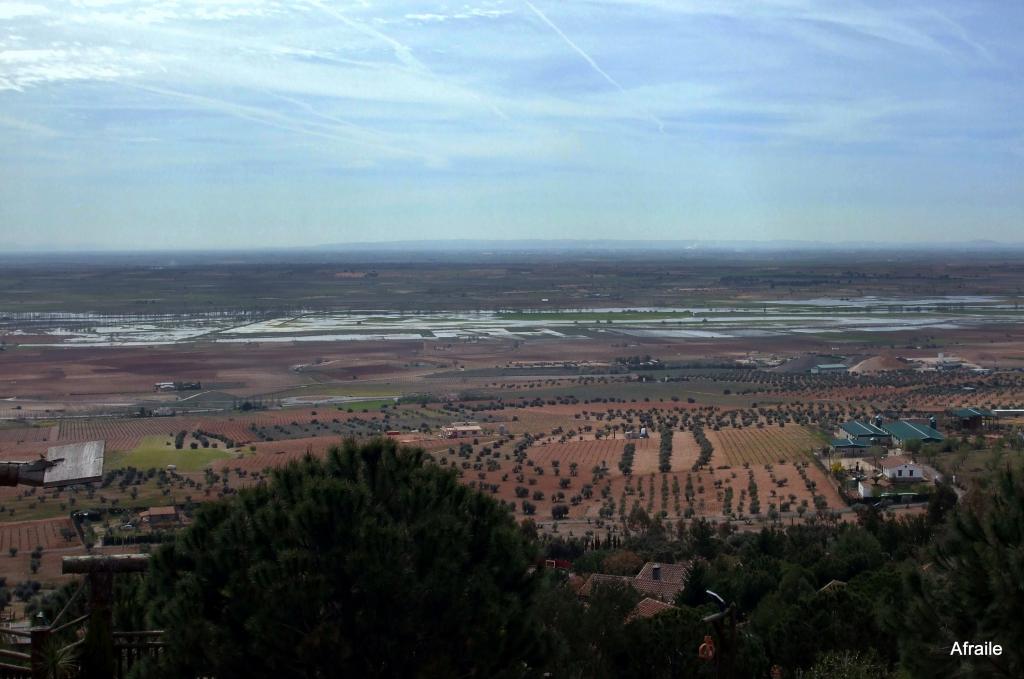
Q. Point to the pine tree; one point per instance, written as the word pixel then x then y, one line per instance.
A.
pixel 369 563
pixel 971 590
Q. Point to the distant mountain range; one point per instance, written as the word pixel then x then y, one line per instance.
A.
pixel 609 245
pixel 440 250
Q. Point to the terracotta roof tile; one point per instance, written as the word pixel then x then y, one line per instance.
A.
pixel 670 572
pixel 648 608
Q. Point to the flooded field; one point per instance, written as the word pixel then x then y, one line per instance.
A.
pixel 760 319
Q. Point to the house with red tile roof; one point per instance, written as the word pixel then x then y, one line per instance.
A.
pixel 648 608
pixel 658 581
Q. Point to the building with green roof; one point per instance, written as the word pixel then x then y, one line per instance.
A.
pixel 863 432
pixel 904 432
pixel 971 419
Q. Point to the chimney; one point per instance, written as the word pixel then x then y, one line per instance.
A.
pixel 656 572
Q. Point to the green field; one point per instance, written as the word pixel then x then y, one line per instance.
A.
pixel 159 451
pixel 342 389
pixel 360 406
pixel 591 316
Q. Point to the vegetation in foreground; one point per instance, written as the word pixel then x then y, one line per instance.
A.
pixel 374 563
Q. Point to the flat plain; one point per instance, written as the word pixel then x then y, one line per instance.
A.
pixel 560 363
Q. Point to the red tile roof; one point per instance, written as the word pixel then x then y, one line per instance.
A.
pixel 658 589
pixel 162 511
pixel 648 608
pixel 894 461
pixel 676 573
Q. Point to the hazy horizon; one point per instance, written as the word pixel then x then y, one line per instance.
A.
pixel 626 248
pixel 236 124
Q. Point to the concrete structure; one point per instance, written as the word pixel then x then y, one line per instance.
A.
pixel 75 463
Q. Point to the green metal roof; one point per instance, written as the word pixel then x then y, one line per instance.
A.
pixel 906 431
pixel 847 443
pixel 858 428
pixel 968 413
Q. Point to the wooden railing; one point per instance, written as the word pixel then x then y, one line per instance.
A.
pixel 131 647
pixel 15 664
pixel 43 641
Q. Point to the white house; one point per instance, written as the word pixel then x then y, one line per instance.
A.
pixel 901 469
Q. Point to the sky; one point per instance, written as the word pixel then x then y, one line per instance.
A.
pixel 256 123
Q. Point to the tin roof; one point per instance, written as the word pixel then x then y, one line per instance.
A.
pixel 968 413
pixel 858 428
pixel 847 443
pixel 908 431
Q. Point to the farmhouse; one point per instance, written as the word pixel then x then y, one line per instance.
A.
pixel 458 430
pixel 655 580
pixel 904 432
pixel 863 432
pixel 901 469
pixel 160 517
pixel 664 591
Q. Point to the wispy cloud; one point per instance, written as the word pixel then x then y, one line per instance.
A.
pixel 403 52
pixel 689 112
pixel 334 130
pixel 586 57
pixel 28 126
pixel 12 10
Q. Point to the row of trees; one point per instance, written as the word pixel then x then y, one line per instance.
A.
pixel 665 451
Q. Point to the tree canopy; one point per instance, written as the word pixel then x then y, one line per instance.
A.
pixel 374 562
pixel 368 563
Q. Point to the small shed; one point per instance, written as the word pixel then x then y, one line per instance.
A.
pixel 971 419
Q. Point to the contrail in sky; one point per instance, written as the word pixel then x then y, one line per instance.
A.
pixel 586 57
pixel 402 51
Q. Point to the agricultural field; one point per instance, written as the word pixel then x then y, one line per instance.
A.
pixel 685 451
pixel 766 445
pixel 27 535
pixel 37 434
pixel 159 452
pixel 119 433
pixel 555 386
pixel 33 549
pixel 586 454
